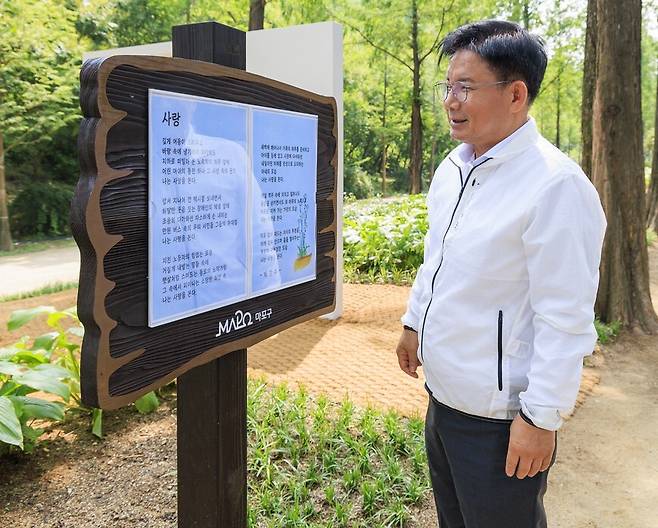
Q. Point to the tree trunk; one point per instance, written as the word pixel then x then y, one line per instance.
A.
pixel 618 168
pixel 557 113
pixel 416 147
pixel 589 78
pixel 434 133
pixel 384 162
pixel 5 233
pixel 384 135
pixel 526 15
pixel 652 205
pixel 256 14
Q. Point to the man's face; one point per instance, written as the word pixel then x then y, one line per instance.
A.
pixel 483 119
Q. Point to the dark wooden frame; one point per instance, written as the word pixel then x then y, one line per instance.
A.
pixel 122 358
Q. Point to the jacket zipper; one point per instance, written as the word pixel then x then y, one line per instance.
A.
pixel 500 350
pixel 452 217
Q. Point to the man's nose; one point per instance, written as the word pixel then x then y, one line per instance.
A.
pixel 451 102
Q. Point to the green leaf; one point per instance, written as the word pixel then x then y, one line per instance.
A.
pixel 22 317
pixel 55 317
pixel 30 358
pixel 10 427
pixel 11 369
pixel 30 437
pixel 8 353
pixel 97 422
pixel 45 341
pixel 46 378
pixel 38 408
pixel 147 403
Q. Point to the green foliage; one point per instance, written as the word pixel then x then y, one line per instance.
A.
pixel 147 403
pixel 311 462
pixel 143 21
pixel 23 371
pixel 50 365
pixel 43 42
pixel 40 57
pixel 356 182
pixel 41 209
pixel 44 290
pixel 607 332
pixel 649 75
pixel 383 238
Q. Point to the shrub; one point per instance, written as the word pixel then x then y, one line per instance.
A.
pixel 48 364
pixel 41 209
pixel 357 182
pixel 383 238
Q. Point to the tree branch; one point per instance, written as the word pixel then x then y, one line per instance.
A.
pixel 555 78
pixel 370 41
pixel 438 34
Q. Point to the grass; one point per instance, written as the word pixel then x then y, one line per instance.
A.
pixel 32 246
pixel 382 276
pixel 44 290
pixel 312 463
pixel 607 331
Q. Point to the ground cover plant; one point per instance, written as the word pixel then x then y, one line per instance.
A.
pixel 383 238
pixel 40 380
pixel 43 290
pixel 313 463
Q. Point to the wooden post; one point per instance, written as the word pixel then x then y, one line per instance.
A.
pixel 212 398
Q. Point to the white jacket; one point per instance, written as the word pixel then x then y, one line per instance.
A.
pixel 503 303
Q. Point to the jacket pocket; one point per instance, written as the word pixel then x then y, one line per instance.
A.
pixel 500 350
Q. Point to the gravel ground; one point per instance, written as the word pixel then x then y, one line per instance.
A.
pixel 76 481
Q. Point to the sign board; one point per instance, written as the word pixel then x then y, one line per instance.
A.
pixel 205 214
pixel 231 203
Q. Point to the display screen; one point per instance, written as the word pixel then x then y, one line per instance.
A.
pixel 232 203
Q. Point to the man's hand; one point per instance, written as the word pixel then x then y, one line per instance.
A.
pixel 530 449
pixel 407 352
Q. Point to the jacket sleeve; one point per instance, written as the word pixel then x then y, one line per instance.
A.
pixel 562 240
pixel 419 290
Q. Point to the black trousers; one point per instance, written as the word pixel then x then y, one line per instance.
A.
pixel 466 457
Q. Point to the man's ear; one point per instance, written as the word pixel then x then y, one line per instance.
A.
pixel 519 96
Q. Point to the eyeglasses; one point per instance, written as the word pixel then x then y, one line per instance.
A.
pixel 460 90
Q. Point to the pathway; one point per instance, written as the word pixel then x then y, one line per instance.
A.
pixel 30 271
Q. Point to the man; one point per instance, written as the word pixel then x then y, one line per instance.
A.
pixel 501 311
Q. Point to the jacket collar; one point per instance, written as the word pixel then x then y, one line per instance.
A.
pixel 512 145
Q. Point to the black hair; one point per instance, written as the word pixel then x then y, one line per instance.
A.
pixel 509 50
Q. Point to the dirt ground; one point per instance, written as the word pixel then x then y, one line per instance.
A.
pixel 606 474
